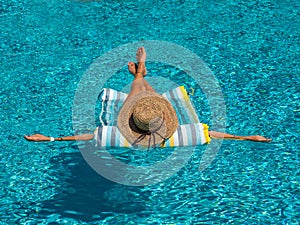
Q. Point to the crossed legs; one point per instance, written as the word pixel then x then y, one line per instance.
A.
pixel 139 84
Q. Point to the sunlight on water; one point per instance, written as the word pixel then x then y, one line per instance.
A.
pixel 252 48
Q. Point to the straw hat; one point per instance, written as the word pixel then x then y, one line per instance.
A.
pixel 147 119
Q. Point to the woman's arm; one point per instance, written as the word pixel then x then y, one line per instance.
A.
pixel 219 135
pixel 40 138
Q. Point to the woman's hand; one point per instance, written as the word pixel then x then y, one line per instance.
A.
pixel 37 137
pixel 258 138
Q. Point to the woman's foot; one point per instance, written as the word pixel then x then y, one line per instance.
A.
pixel 132 68
pixel 141 58
pixel 141 55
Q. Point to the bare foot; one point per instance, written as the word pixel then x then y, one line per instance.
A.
pixel 132 68
pixel 141 54
pixel 258 138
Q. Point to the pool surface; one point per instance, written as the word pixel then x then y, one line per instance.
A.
pixel 252 47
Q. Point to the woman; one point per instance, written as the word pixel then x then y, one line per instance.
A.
pixel 146 118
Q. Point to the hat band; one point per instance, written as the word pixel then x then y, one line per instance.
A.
pixel 151 133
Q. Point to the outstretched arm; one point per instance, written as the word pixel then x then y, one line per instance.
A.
pixel 40 138
pixel 219 135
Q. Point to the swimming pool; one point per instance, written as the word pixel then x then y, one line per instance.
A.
pixel 253 50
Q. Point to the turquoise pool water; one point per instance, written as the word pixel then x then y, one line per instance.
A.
pixel 253 50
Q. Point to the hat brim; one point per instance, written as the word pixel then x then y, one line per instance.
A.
pixel 132 134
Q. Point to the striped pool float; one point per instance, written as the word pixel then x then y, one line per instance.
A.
pixel 190 132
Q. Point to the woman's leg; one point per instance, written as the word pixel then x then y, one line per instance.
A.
pixel 139 84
